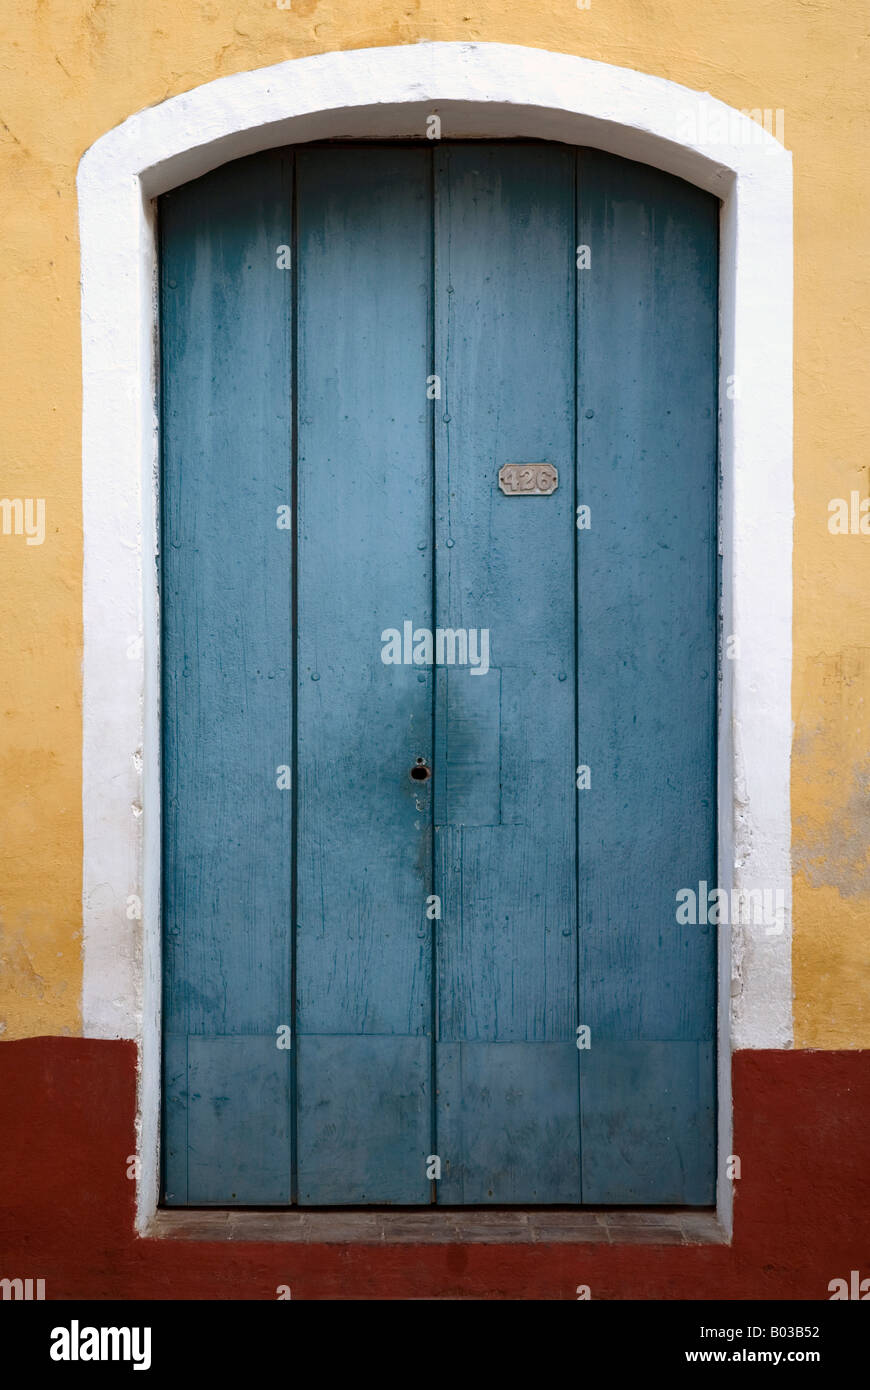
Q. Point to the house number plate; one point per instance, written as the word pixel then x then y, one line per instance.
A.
pixel 528 479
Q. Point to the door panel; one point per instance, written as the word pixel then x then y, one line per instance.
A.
pixel 226 665
pixel 431 947
pixel 237 1086
pixel 648 1122
pixel 365 1115
pixel 363 954
pixel 468 787
pixel 506 945
pixel 507 1123
pixel 646 664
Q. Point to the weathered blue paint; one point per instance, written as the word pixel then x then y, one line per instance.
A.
pixel 364 996
pixel 508 1119
pixel 452 267
pixel 226 661
pixel 647 674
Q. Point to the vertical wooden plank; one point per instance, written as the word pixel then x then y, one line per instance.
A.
pixel 507 1123
pixel 238 1103
pixel 647 580
pixel 364 1118
pixel 648 1122
pixel 365 566
pixel 226 680
pixel 507 938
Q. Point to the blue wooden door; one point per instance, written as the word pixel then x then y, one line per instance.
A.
pixel 439 751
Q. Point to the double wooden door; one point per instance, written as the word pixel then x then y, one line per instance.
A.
pixel 439 578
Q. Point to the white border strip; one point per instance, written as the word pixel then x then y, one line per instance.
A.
pixel 483 90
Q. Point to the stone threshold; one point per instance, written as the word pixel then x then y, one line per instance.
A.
pixel 443 1226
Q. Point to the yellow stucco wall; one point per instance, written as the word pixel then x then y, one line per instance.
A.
pixel 72 69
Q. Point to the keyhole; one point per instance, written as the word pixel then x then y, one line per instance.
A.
pixel 420 771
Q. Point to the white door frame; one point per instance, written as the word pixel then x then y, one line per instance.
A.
pixel 484 90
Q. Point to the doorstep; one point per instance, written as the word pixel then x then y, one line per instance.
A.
pixel 411 1226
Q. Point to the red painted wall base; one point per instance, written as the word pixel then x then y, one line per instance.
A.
pixel 802 1216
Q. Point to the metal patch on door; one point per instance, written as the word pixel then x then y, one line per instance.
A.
pixel 528 479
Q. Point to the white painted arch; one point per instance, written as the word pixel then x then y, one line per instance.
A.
pixel 478 90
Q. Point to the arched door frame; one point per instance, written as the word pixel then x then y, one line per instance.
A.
pixel 479 90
